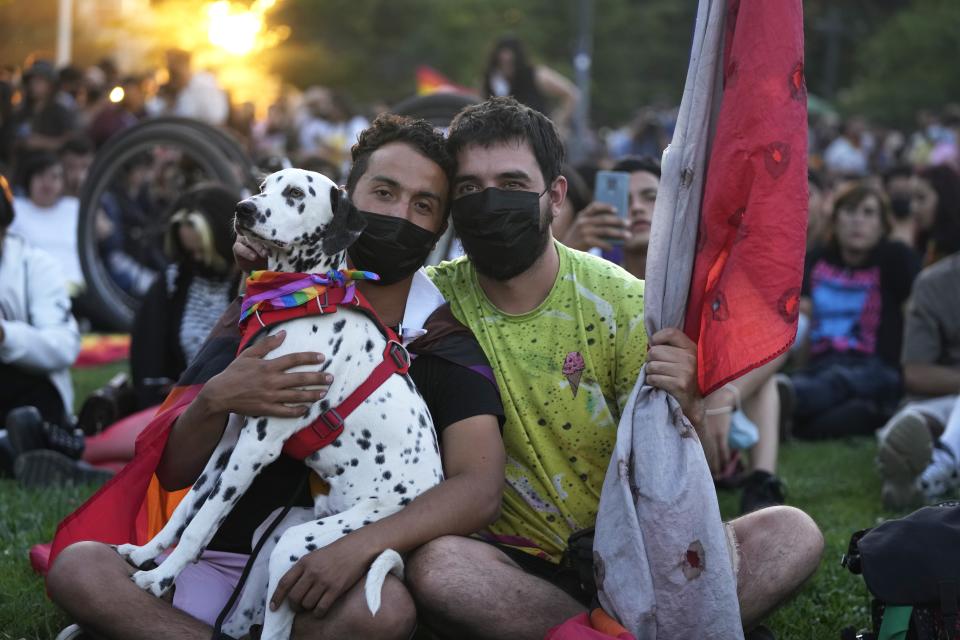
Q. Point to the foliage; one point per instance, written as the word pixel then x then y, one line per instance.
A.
pixel 906 64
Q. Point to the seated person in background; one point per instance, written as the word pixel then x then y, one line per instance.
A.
pixel 76 155
pixel 47 219
pixel 744 414
pixel 935 206
pixel 38 336
pixel 915 466
pixel 184 303
pixel 853 291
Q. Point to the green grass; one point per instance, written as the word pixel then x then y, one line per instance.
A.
pixel 833 481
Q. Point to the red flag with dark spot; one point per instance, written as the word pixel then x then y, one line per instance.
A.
pixel 742 310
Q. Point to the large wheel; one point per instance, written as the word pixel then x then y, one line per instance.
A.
pixel 212 153
pixel 436 108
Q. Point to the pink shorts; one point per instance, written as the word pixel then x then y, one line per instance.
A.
pixel 203 589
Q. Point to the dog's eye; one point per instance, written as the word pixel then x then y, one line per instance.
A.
pixel 295 192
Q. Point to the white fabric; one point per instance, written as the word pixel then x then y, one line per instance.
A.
pixel 423 299
pixel 54 230
pixel 207 299
pixel 40 334
pixel 658 508
pixel 203 99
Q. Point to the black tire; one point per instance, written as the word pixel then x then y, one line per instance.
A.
pixel 219 156
pixel 436 108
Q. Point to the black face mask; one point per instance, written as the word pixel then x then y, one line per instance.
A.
pixel 500 230
pixel 900 206
pixel 393 248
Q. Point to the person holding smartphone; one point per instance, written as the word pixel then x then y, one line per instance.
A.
pixel 621 233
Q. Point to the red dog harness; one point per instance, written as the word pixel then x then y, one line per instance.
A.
pixel 328 426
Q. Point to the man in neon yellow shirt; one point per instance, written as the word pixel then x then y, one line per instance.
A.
pixel 564 334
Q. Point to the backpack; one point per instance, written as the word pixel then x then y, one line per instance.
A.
pixel 911 567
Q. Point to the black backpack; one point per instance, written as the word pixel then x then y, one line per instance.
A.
pixel 912 569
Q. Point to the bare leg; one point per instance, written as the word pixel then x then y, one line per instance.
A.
pixel 469 589
pixel 779 549
pixel 350 618
pixel 763 409
pixel 91 582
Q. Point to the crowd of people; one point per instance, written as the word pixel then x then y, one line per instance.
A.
pixel 877 351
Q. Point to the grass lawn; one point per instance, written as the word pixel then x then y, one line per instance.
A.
pixel 834 482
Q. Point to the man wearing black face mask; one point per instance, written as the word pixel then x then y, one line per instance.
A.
pixel 897 184
pixel 564 333
pixel 399 180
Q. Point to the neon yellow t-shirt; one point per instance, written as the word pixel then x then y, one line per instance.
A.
pixel 565 371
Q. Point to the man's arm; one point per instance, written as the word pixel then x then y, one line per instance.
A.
pixel 931 379
pixel 250 386
pixel 466 501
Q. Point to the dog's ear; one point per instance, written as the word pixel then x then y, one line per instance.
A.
pixel 345 227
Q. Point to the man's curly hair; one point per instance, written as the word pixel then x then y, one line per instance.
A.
pixel 387 128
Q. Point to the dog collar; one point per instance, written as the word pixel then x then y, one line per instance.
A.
pixel 274 290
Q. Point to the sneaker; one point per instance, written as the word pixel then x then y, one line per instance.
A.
pixel 761 489
pixel 69 442
pixel 788 403
pixel 44 468
pixel 73 632
pixel 941 476
pixel 904 451
pixel 25 430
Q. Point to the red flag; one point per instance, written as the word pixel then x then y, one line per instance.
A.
pixel 429 80
pixel 745 290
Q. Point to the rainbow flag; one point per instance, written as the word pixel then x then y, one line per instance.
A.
pixel 267 290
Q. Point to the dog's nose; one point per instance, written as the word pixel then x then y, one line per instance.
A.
pixel 246 211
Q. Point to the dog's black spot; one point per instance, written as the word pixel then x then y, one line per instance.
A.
pixel 387 475
pixel 369 346
pixel 404 502
pixel 257 465
pixel 302 206
pixel 380 459
pixel 166 582
pixel 336 347
pixel 223 459
pixel 290 202
pixel 294 558
pixel 267 213
pixel 315 328
pixel 340 471
pixel 236 467
pixel 311 547
pixel 261 428
pixel 337 443
pixel 365 433
pixel 248 613
pixel 400 489
pixel 216 489
pixel 229 493
pixel 338 325
pixel 364 443
pixel 354 462
pixel 312 192
pixel 273 232
pixel 422 420
pixel 347 530
pixel 409 384
pixel 349 358
pixel 415 461
pixel 308 539
pixel 380 447
pixel 365 522
pixel 383 416
pixel 200 481
pixel 180 531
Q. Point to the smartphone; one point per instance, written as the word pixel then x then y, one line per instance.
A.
pixel 613 188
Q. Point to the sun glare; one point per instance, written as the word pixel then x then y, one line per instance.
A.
pixel 234 30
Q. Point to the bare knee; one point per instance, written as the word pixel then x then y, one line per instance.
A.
pixel 787 531
pixel 430 571
pixel 77 568
pixel 395 619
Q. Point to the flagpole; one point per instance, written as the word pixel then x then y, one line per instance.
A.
pixel 64 32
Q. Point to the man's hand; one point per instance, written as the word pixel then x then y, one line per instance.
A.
pixel 253 386
pixel 595 226
pixel 250 256
pixel 319 578
pixel 672 366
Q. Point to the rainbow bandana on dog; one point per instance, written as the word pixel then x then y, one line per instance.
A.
pixel 272 290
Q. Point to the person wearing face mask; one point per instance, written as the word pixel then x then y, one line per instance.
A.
pixel 898 185
pixel 564 334
pixel 399 180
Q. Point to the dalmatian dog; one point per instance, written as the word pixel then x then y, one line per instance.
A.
pixel 386 456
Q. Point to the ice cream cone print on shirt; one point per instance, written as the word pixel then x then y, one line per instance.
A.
pixel 573 367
